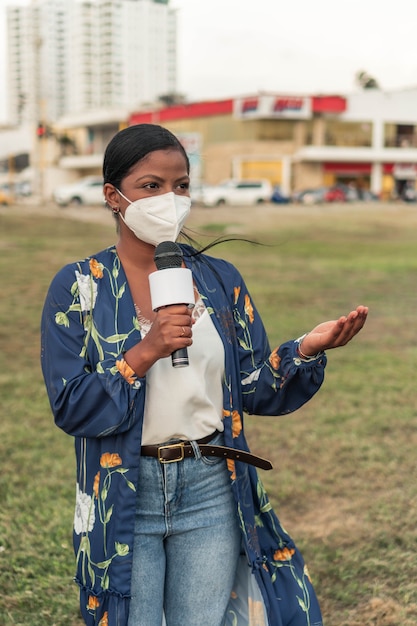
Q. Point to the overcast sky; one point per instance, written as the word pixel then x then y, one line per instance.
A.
pixel 236 47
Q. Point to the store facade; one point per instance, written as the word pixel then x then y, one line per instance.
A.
pixel 367 140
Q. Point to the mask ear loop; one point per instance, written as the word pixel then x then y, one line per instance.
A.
pixel 123 196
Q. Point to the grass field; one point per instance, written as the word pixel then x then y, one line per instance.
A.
pixel 344 479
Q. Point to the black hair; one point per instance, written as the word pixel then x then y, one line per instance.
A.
pixel 132 144
pixel 196 248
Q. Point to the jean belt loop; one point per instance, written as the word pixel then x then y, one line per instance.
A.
pixel 196 449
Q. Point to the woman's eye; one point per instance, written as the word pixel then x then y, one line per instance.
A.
pixel 151 186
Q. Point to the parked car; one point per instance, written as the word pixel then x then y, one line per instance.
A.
pixel 409 193
pixel 310 196
pixel 337 193
pixel 5 198
pixel 23 188
pixel 19 188
pixel 88 190
pixel 278 197
pixel 197 193
pixel 349 193
pixel 368 196
pixel 235 192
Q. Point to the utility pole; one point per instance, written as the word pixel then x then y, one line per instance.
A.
pixel 40 106
pixel 41 145
pixel 11 172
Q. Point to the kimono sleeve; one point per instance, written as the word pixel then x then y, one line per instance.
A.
pixel 88 399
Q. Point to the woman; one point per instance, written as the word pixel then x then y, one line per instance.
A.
pixel 161 530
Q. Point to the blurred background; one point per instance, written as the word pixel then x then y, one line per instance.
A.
pixel 319 107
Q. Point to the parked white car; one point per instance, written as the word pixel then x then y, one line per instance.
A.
pixel 234 192
pixel 88 190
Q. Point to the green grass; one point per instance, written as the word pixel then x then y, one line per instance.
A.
pixel 344 465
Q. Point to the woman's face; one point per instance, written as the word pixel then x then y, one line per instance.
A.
pixel 160 172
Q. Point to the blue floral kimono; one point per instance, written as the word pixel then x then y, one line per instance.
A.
pixel 88 322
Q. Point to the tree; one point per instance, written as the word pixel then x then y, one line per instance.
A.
pixel 366 81
pixel 170 99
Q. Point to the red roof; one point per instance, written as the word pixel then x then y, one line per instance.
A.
pixel 319 104
pixel 183 111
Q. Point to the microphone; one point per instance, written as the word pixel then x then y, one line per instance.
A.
pixel 171 284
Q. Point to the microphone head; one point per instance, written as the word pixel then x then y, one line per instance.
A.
pixel 168 254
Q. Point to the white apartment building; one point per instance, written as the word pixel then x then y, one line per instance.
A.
pixel 70 57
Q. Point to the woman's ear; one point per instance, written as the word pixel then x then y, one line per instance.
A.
pixel 111 197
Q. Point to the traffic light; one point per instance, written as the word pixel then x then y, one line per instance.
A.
pixel 41 130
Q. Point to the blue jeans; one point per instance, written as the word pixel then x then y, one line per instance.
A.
pixel 187 543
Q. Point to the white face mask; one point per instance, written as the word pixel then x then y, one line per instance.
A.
pixel 158 218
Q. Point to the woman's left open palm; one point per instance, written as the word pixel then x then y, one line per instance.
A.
pixel 334 333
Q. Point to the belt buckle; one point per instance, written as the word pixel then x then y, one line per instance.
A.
pixel 179 446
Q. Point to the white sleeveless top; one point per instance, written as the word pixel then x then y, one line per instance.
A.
pixel 186 402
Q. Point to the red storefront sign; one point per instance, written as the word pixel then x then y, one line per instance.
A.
pixel 328 104
pixel 348 168
pixel 405 171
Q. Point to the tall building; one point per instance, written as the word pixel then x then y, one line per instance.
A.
pixel 75 56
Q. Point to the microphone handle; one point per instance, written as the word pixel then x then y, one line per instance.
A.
pixel 180 358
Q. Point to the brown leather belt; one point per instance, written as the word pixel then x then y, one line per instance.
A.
pixel 174 452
